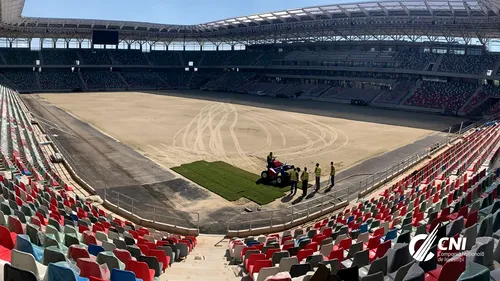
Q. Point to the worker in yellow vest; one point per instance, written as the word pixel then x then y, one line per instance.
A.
pixel 317 173
pixel 305 179
pixel 294 176
pixel 332 175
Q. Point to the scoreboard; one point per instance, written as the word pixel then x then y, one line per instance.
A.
pixel 105 37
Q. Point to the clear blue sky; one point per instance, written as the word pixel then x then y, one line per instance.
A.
pixel 163 11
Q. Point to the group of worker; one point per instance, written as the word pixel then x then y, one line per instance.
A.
pixel 304 178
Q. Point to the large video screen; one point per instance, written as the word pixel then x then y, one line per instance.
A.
pixel 105 37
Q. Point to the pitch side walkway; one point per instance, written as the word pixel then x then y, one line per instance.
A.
pixel 354 175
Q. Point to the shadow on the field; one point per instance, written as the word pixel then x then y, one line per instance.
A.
pixel 287 198
pixel 311 195
pixel 298 200
pixel 328 189
pixel 260 181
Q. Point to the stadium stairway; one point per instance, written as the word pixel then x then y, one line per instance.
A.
pixel 438 62
pixel 205 262
pixel 496 67
pixel 461 110
pixel 411 92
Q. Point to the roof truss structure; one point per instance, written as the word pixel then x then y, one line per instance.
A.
pixel 455 18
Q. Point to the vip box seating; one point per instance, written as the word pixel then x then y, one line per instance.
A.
pixel 164 58
pixel 19 56
pixel 230 81
pixel 94 57
pixel 102 80
pixel 145 80
pixel 415 61
pixel 453 194
pixel 467 64
pixel 176 79
pixel 217 58
pixel 59 56
pixel 60 80
pixel 48 231
pixel 128 57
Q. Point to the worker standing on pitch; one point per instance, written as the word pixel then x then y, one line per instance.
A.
pixel 317 172
pixel 332 175
pixel 294 176
pixel 305 179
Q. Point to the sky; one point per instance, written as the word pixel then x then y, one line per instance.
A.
pixel 163 11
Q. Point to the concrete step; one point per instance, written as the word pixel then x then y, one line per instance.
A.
pixel 205 262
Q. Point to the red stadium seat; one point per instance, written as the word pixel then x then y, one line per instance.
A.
pixel 123 255
pixel 7 238
pixel 141 270
pixel 161 256
pixel 259 264
pixel 251 260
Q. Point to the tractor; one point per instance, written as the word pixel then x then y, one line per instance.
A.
pixel 276 173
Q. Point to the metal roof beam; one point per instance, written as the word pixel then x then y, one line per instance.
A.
pixel 309 14
pixel 491 5
pixel 386 12
pixel 483 7
pixel 329 15
pixel 467 8
pixel 429 8
pixel 451 9
pixel 365 11
pixel 279 17
pixel 344 11
pixel 405 8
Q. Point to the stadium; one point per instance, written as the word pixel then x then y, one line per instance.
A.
pixel 137 151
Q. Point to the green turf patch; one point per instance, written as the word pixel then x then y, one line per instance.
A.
pixel 230 182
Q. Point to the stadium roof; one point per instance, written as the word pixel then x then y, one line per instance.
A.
pixel 413 18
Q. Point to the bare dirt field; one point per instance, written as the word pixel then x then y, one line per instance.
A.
pixel 173 130
pixel 177 126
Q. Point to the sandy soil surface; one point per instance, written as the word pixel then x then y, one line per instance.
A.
pixel 173 130
pixel 183 126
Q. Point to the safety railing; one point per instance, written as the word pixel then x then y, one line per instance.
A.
pixel 288 215
pixel 152 212
pixel 387 174
pixel 157 214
